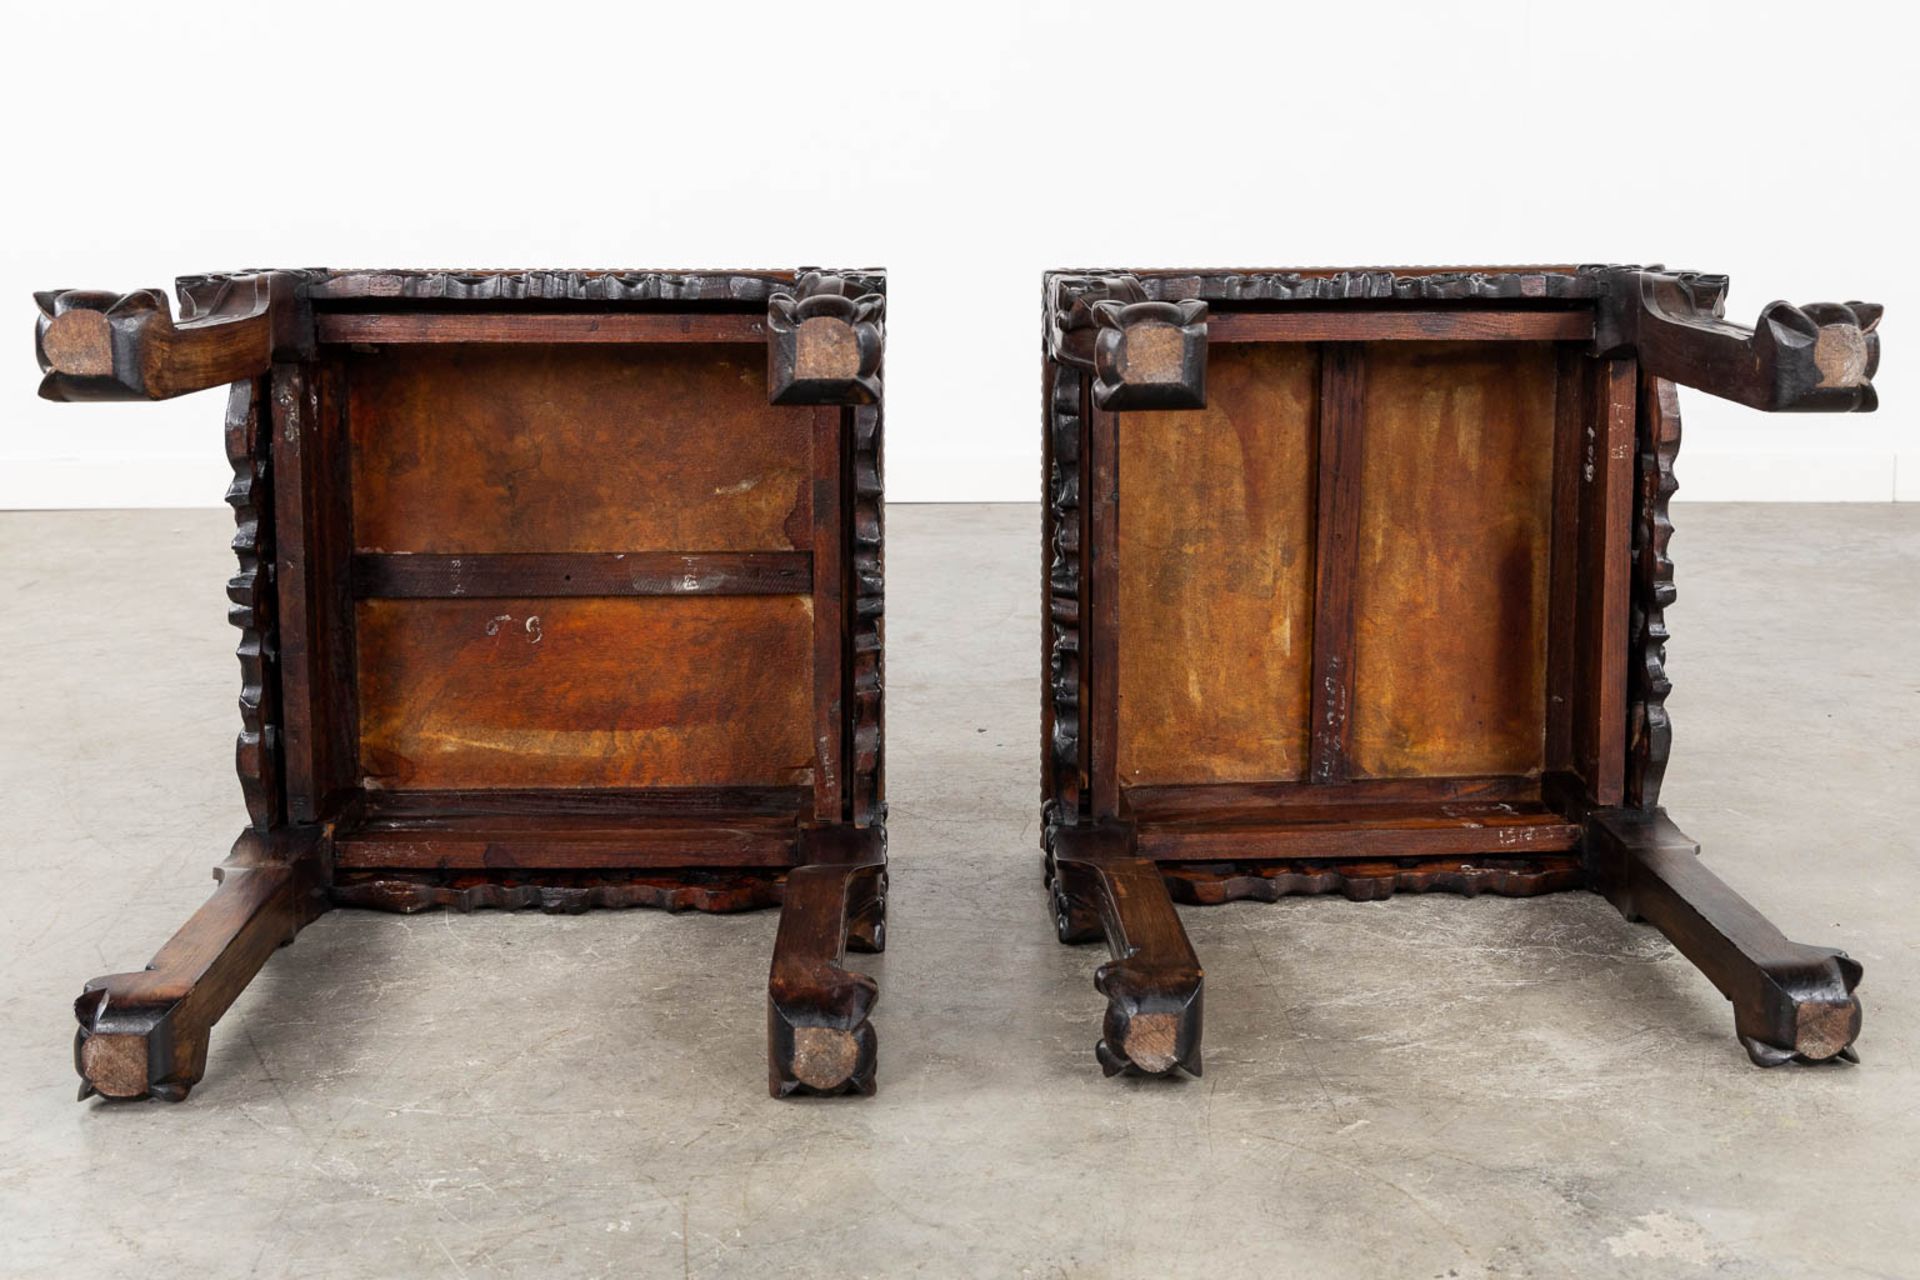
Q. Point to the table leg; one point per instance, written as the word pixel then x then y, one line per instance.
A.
pixel 1791 1001
pixel 819 1037
pixel 1153 983
pixel 145 1034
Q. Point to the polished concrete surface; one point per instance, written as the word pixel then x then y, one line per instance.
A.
pixel 1424 1087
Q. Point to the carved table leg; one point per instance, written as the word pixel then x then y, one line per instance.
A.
pixel 819 1039
pixel 145 1033
pixel 1153 983
pixel 1790 1000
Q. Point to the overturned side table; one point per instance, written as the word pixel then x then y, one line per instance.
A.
pixel 556 589
pixel 1356 583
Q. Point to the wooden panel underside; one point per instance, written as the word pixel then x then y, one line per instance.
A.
pixel 575 448
pixel 630 692
pixel 1450 592
pixel 1216 575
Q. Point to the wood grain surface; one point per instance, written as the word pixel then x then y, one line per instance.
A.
pixel 1450 595
pixel 632 692
pixel 575 448
pixel 1216 535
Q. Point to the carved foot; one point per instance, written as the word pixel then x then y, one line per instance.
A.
pixel 1791 1002
pixel 1154 982
pixel 105 346
pixel 1153 1018
pixel 1819 358
pixel 135 1052
pixel 145 1034
pixel 819 1036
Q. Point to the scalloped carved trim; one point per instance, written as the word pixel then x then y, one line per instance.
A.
pixel 257 750
pixel 1065 438
pixel 1649 727
pixel 1379 285
pixel 487 285
pixel 561 892
pixel 1214 883
pixel 869 620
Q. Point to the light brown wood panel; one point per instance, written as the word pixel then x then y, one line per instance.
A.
pixel 1450 595
pixel 1216 575
pixel 631 692
pixel 575 448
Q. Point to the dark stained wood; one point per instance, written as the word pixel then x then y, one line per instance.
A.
pixel 145 1033
pixel 1450 588
pixel 1336 558
pixel 548 842
pixel 545 288
pixel 416 576
pixel 464 326
pixel 1065 594
pixel 1214 678
pixel 1649 727
pixel 1481 285
pixel 679 805
pixel 867 562
pixel 1354 831
pixel 1465 689
pixel 103 346
pixel 1360 880
pixel 315 658
pixel 577 448
pixel 251 595
pixel 1819 358
pixel 1606 510
pixel 820 1039
pixel 533 582
pixel 1790 1001
pixel 1400 326
pixel 829 616
pixel 1261 799
pixel 1153 983
pixel 1572 405
pixel 559 892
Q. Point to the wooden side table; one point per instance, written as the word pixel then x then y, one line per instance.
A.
pixel 1357 583
pixel 557 589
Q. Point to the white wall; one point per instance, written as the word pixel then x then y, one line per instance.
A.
pixel 966 148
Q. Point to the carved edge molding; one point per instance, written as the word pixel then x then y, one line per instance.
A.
pixel 1819 358
pixel 1065 450
pixel 1198 884
pixel 869 614
pixel 824 341
pixel 251 592
pixel 479 285
pixel 562 894
pixel 1650 728
pixel 1378 285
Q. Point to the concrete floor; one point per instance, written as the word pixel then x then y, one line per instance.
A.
pixel 1421 1087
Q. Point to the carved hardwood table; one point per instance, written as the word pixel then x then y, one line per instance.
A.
pixel 556 589
pixel 1357 583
